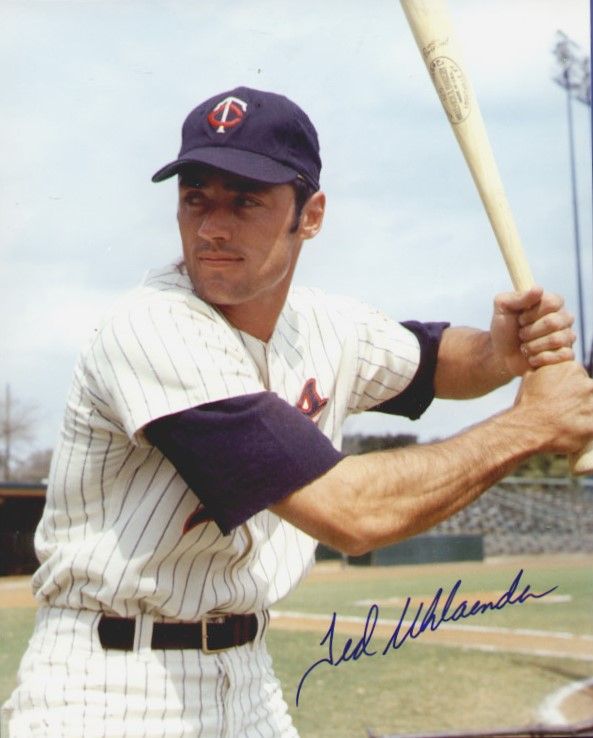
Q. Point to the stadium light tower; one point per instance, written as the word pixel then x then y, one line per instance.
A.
pixel 573 74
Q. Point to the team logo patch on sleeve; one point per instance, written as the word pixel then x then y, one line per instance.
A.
pixel 310 402
pixel 227 114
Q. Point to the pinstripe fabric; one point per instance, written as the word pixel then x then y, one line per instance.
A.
pixel 111 536
pixel 112 533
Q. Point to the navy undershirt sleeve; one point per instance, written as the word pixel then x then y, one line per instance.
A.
pixel 242 454
pixel 418 395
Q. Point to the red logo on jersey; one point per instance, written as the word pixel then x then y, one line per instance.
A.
pixel 310 402
pixel 228 113
pixel 198 516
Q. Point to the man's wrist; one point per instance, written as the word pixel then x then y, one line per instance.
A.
pixel 500 366
pixel 528 435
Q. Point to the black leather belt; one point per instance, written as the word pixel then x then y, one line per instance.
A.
pixel 215 633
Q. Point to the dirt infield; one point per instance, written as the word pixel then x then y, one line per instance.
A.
pixel 578 706
pixel 533 643
pixel 16 592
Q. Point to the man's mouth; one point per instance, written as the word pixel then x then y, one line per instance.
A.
pixel 219 259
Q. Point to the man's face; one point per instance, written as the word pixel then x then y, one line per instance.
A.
pixel 236 234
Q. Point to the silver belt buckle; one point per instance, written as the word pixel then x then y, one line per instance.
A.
pixel 206 619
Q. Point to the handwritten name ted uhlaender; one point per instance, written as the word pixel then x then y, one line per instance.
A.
pixel 425 618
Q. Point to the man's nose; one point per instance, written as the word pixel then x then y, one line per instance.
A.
pixel 215 225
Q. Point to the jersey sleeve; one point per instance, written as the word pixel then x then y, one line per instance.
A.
pixel 396 364
pixel 160 358
pixel 242 454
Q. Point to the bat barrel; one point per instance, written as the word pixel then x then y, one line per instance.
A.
pixel 433 32
pixel 431 27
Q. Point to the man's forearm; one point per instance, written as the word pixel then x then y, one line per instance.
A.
pixel 375 499
pixel 467 365
pixel 369 501
pixel 380 498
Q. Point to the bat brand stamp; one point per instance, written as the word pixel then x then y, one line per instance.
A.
pixel 452 88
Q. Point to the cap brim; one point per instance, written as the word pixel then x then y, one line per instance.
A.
pixel 236 161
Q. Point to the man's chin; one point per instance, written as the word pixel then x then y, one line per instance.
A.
pixel 219 295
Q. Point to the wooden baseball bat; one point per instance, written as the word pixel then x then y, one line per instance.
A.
pixel 431 26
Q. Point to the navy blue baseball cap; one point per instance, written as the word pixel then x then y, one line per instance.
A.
pixel 254 134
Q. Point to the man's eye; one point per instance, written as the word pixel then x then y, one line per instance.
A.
pixel 193 198
pixel 244 201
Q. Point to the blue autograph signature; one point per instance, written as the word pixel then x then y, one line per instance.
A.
pixel 431 620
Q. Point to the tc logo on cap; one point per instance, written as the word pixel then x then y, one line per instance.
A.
pixel 228 113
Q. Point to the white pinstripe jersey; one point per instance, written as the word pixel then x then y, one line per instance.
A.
pixel 111 536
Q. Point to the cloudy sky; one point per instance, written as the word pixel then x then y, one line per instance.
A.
pixel 94 93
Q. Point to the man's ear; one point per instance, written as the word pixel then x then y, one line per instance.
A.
pixel 312 216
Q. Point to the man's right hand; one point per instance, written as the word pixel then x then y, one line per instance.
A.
pixel 558 402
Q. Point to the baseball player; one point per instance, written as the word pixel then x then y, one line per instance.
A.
pixel 199 456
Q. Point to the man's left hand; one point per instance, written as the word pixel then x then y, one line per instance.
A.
pixel 530 329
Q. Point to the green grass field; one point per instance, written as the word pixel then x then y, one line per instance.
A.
pixel 16 625
pixel 420 686
pixel 432 688
pixel 573 576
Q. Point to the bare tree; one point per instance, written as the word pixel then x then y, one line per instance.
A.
pixel 17 422
pixel 35 467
